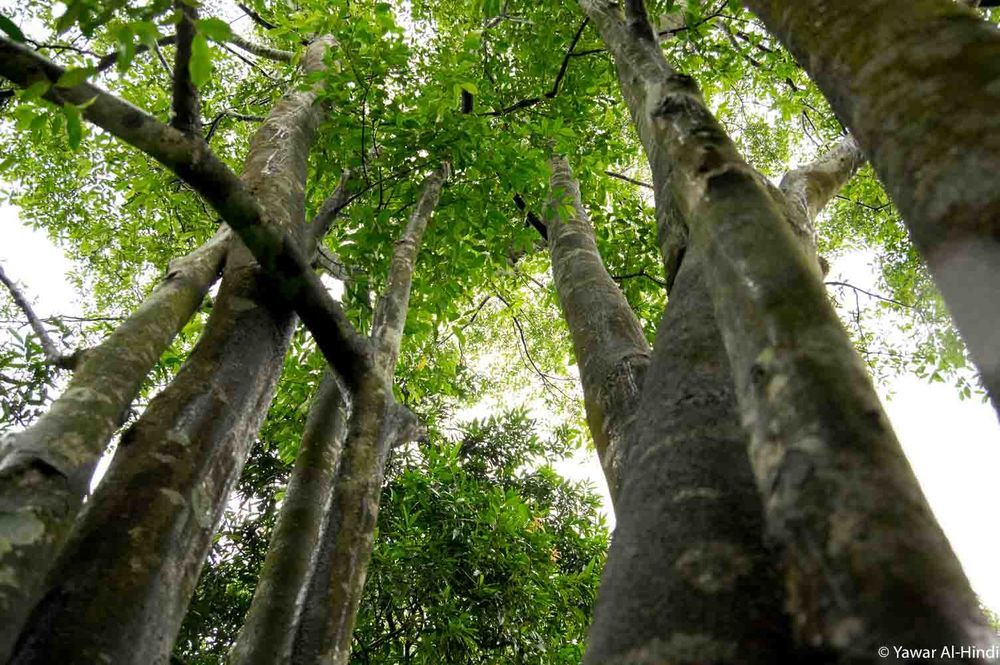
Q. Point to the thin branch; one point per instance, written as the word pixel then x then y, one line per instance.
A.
pixel 255 17
pixel 186 102
pixel 337 201
pixel 870 294
pixel 260 50
pixel 531 218
pixel 109 60
pixel 282 261
pixel 641 273
pixel 640 183
pixel 49 347
pixel 214 125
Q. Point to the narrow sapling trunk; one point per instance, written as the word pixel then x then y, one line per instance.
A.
pixel 45 470
pixel 608 341
pixel 123 582
pixel 267 634
pixel 915 81
pixel 324 633
pixel 865 562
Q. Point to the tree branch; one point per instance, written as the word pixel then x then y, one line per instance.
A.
pixel 260 50
pixel 214 125
pixel 255 17
pixel 186 103
pixel 281 259
pixel 52 353
pixel 321 222
pixel 640 183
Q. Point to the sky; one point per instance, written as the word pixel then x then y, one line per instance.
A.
pixel 952 445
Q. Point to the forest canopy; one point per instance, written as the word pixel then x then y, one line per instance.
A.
pixel 355 275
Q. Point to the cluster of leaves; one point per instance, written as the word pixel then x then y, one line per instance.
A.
pixel 483 554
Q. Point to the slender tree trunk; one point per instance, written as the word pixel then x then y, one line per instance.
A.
pixel 608 341
pixel 915 81
pixel 866 564
pixel 267 634
pixel 124 580
pixel 688 574
pixel 324 634
pixel 45 470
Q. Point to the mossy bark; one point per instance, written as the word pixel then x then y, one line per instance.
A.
pixel 918 84
pixel 269 629
pixel 45 470
pixel 865 562
pixel 608 341
pixel 327 624
pixel 688 577
pixel 123 581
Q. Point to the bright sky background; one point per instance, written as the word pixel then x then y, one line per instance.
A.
pixel 953 445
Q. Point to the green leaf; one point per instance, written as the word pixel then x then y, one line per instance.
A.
pixel 201 61
pixel 74 77
pixel 470 88
pixel 11 29
pixel 215 29
pixel 74 126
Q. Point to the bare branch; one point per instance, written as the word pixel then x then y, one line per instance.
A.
pixel 108 61
pixel 186 103
pixel 255 17
pixel 49 347
pixel 640 183
pixel 260 50
pixel 321 222
pixel 214 125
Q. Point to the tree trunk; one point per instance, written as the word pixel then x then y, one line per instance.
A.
pixel 45 470
pixel 267 634
pixel 688 577
pixel 915 81
pixel 866 564
pixel 124 579
pixel 324 633
pixel 608 341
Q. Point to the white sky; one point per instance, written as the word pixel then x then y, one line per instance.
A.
pixel 953 445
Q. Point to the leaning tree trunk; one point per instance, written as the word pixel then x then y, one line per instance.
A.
pixel 278 601
pixel 688 562
pixel 377 423
pixel 915 81
pixel 45 470
pixel 865 562
pixel 124 580
pixel 608 341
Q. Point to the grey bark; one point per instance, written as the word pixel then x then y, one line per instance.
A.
pixel 51 350
pixel 121 586
pixel 688 577
pixel 45 470
pixel 260 50
pixel 865 562
pixel 284 263
pixel 269 630
pixel 324 634
pixel 186 103
pixel 915 83
pixel 608 341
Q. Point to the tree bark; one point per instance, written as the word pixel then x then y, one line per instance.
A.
pixel 123 581
pixel 269 630
pixel 688 576
pixel 865 562
pixel 608 341
pixel 916 84
pixel 45 470
pixel 324 634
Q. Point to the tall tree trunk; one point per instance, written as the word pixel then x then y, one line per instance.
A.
pixel 324 633
pixel 866 563
pixel 608 341
pixel 688 577
pixel 45 470
pixel 915 81
pixel 124 579
pixel 267 634
pixel 688 573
